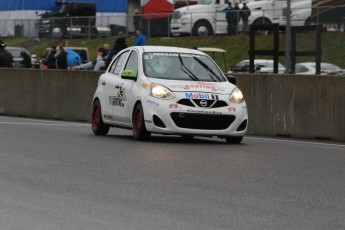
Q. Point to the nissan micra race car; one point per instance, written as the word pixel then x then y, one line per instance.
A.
pixel 168 90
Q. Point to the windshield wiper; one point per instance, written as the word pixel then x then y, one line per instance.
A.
pixel 209 70
pixel 187 71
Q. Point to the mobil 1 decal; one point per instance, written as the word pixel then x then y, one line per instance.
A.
pixel 207 96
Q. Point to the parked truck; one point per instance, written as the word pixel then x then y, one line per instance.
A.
pixel 329 13
pixel 208 16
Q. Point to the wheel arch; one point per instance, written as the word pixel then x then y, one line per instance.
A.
pixel 262 19
pixel 132 112
pixel 203 21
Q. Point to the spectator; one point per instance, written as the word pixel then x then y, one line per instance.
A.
pixel 140 41
pixel 136 19
pixel 120 44
pixel 106 47
pixel 229 14
pixel 61 58
pixel 236 18
pixel 26 62
pixel 97 64
pixel 50 61
pixel 6 58
pixel 245 13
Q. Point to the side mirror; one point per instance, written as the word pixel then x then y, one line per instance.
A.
pixel 231 78
pixel 129 74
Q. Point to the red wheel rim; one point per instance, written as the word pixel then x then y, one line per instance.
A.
pixel 95 116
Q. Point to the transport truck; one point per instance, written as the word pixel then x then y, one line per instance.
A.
pixel 329 13
pixel 208 16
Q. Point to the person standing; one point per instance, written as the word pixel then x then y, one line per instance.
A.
pixel 245 13
pixel 235 18
pixel 61 58
pixel 228 15
pixel 140 41
pixel 50 61
pixel 6 58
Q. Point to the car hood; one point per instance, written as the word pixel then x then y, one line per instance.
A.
pixel 197 86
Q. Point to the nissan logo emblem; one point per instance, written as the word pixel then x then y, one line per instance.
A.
pixel 203 103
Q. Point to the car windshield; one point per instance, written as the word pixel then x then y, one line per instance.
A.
pixel 181 66
pixel 15 52
pixel 327 67
pixel 205 2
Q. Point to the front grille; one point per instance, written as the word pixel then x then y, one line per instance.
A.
pixel 202 103
pixel 176 15
pixel 202 121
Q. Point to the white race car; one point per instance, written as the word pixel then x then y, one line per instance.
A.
pixel 168 90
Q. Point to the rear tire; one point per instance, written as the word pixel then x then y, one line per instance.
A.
pixel 262 21
pixel 234 140
pixel 98 126
pixel 139 130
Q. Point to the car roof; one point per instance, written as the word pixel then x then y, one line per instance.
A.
pixel 15 48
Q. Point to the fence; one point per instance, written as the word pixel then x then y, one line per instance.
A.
pixel 332 19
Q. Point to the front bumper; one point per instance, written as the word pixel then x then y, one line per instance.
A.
pixel 180 28
pixel 172 117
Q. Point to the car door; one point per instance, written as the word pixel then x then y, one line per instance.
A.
pixel 126 90
pixel 112 99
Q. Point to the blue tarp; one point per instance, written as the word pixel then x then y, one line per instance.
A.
pixel 73 58
pixel 103 6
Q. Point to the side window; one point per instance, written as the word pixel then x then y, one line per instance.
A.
pixel 113 65
pixel 120 63
pixel 117 64
pixel 132 63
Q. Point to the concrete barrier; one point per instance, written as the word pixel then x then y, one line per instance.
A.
pixel 52 94
pixel 309 107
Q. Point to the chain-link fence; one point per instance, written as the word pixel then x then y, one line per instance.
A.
pixel 295 36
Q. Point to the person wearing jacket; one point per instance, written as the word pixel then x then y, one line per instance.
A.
pixel 61 58
pixel 120 44
pixel 26 62
pixel 6 58
pixel 140 41
pixel 98 64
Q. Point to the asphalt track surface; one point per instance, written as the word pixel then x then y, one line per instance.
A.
pixel 58 176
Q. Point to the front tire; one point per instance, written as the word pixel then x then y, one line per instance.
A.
pixel 234 140
pixel 202 28
pixel 98 126
pixel 139 130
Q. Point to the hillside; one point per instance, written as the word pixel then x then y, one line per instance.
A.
pixel 236 46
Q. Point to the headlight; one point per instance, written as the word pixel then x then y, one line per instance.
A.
pixel 236 96
pixel 160 92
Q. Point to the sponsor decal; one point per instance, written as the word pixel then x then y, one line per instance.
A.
pixel 149 56
pixel 108 117
pixel 144 86
pixel 152 102
pixel 119 99
pixel 232 109
pixel 204 112
pixel 148 121
pixel 199 85
pixel 173 106
pixel 201 96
